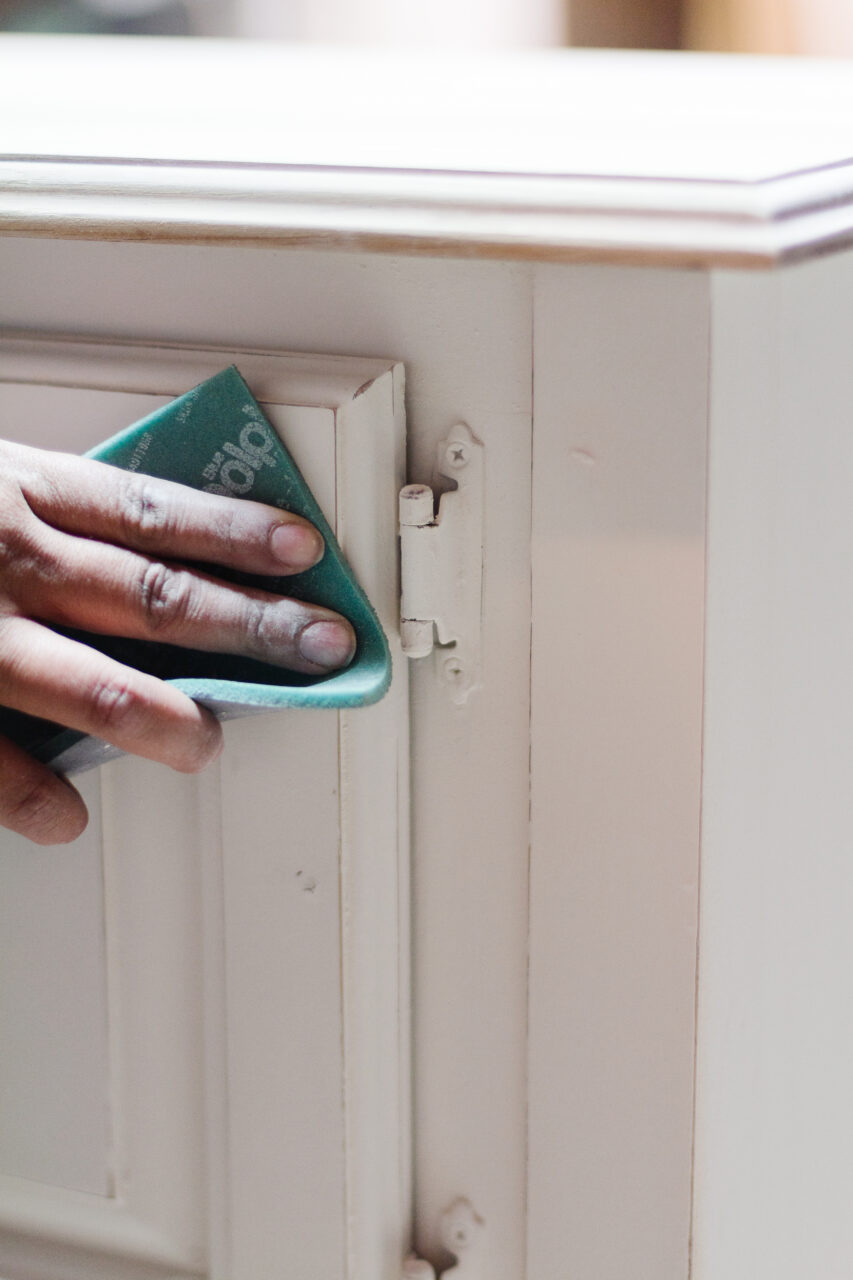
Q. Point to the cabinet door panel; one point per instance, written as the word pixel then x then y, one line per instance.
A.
pixel 200 996
pixel 53 1011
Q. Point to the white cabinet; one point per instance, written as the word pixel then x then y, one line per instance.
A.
pixel 623 1035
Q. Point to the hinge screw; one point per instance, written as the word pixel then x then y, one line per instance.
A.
pixel 457 456
pixel 454 671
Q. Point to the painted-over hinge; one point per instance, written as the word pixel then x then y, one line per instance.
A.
pixel 462 1234
pixel 442 565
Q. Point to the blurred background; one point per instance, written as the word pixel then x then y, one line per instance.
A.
pixel 822 27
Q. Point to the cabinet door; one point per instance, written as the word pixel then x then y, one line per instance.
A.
pixel 203 1000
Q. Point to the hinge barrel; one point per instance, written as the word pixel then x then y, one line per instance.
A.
pixel 419 536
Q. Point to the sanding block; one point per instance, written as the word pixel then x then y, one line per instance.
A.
pixel 217 438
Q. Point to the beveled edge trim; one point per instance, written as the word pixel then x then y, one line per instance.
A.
pixel 150 368
pixel 440 214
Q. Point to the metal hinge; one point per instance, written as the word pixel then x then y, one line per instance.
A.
pixel 442 565
pixel 462 1235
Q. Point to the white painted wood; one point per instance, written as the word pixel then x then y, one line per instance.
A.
pixel 328 882
pixel 574 1148
pixel 375 817
pixel 154 979
pixel 282 947
pixel 589 1126
pixel 553 218
pixel 471 345
pixel 252 1041
pixel 139 369
pixel 464 331
pixel 609 156
pixel 774 1175
pixel 53 1010
pixel 618 581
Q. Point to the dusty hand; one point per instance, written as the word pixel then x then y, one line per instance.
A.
pixel 86 545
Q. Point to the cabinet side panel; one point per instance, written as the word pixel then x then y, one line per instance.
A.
pixel 620 391
pixel 774 1169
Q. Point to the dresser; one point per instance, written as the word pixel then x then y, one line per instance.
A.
pixel 541 968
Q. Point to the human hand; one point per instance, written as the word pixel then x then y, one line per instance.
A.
pixel 85 545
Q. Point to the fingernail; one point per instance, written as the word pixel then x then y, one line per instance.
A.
pixel 299 546
pixel 327 644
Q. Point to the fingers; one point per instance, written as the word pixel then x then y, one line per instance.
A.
pixel 116 592
pixel 165 519
pixel 88 545
pixel 36 803
pixel 48 675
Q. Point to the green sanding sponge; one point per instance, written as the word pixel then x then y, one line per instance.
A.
pixel 216 438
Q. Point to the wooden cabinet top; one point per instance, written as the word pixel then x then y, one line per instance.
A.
pixel 553 154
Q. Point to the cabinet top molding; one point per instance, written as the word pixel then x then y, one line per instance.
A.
pixel 565 155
